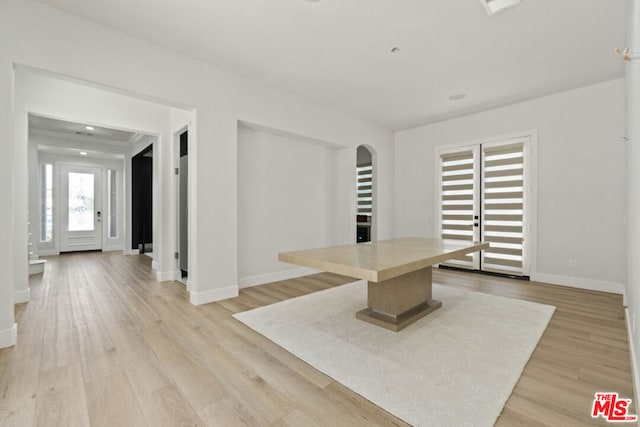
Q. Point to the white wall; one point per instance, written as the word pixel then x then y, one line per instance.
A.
pixel 581 179
pixel 38 36
pixel 632 80
pixel 8 330
pixel 286 189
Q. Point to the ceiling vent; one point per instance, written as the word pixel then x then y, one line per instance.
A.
pixel 495 6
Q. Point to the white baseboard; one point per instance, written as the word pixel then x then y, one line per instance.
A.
pixel 165 276
pixel 632 355
pixel 36 266
pixel 22 296
pixel 48 252
pixel 112 248
pixel 581 283
pixel 131 251
pixel 261 279
pixel 199 298
pixel 189 287
pixel 154 266
pixel 8 337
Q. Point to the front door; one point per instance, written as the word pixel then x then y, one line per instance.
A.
pixel 80 208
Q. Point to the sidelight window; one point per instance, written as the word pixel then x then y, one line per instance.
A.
pixel 46 202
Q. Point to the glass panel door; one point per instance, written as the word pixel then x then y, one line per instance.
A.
pixel 80 201
pixel 459 200
pixel 482 196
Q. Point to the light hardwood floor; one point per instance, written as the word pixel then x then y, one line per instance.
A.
pixel 102 343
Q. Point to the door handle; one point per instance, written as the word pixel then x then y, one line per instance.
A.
pixel 98 216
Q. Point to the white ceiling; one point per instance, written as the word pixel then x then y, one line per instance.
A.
pixel 64 127
pixel 337 52
pixel 100 142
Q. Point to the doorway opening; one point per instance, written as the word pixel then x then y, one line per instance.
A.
pixel 183 206
pixel 142 201
pixel 76 194
pixel 365 195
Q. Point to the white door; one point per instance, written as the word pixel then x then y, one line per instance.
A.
pixel 80 208
pixel 459 196
pixel 504 207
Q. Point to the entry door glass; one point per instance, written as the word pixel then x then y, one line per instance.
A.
pixel 80 201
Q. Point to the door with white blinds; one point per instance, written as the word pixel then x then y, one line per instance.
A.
pixel 460 200
pixel 483 197
pixel 503 207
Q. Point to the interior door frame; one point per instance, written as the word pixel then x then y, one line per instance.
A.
pixel 60 204
pixel 188 127
pixel 531 178
pixel 135 207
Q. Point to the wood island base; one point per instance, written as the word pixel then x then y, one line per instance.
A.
pixel 396 303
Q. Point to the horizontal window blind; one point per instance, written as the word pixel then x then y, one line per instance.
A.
pixel 458 195
pixel 365 190
pixel 503 208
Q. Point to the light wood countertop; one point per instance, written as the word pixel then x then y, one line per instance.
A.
pixel 381 260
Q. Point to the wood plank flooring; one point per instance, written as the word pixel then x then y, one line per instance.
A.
pixel 102 343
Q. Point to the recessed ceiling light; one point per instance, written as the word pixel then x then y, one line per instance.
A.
pixel 395 49
pixel 89 128
pixel 83 153
pixel 495 6
pixel 457 97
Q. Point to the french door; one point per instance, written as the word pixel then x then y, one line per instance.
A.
pixel 483 196
pixel 80 208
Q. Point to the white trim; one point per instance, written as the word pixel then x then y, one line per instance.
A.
pixel 632 355
pixel 189 285
pixel 131 251
pixel 154 267
pixel 22 296
pixel 112 248
pixel 186 127
pixel 36 266
pixel 199 298
pixel 165 276
pixel 580 283
pixel 262 279
pixel 8 337
pixel 48 252
pixel 488 140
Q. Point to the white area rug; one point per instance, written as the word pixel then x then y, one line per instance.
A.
pixel 455 367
